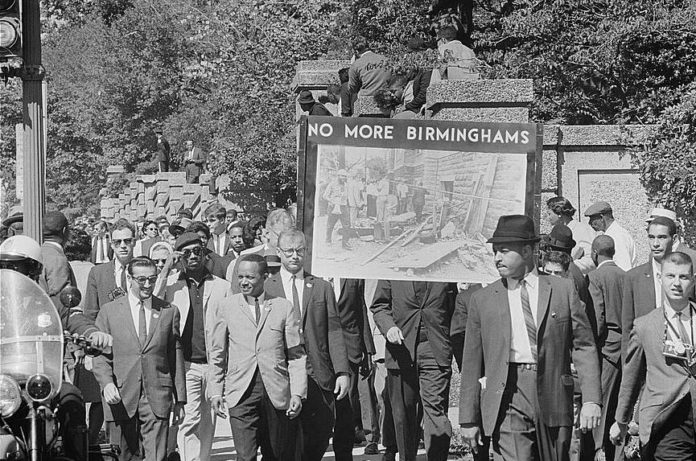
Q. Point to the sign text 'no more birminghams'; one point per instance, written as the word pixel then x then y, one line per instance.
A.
pixel 423 134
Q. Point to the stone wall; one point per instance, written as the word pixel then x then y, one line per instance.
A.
pixel 582 163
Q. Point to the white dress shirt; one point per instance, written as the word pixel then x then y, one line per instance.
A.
pixel 252 305
pixel 685 319
pixel 625 256
pixel 219 242
pixel 286 277
pixel 583 234
pixel 135 311
pixel 520 349
pixel 118 269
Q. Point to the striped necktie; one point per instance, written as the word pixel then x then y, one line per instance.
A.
pixel 528 318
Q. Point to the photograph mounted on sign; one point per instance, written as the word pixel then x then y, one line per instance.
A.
pixel 411 199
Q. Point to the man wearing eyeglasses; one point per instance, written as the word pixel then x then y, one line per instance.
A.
pixel 144 374
pixel 192 291
pixel 328 368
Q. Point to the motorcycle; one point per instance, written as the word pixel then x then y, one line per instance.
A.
pixel 31 372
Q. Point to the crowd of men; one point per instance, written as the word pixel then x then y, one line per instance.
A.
pixel 220 319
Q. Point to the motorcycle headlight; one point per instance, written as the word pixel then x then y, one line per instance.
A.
pixel 39 387
pixel 10 396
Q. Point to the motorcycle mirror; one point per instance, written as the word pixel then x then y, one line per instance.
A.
pixel 70 297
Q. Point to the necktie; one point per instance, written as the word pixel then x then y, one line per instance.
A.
pixel 528 319
pixel 257 310
pixel 295 299
pixel 123 278
pixel 683 334
pixel 105 249
pixel 142 325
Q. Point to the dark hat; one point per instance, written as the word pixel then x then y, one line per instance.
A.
pixel 272 260
pixel 305 97
pixel 598 208
pixel 179 226
pixel 54 223
pixel 561 238
pixel 187 238
pixel 514 228
pixel 185 213
pixel 15 215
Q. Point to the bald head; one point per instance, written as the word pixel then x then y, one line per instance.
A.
pixel 603 249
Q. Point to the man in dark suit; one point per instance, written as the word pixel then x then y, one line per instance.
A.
pixel 57 273
pixel 415 318
pixel 517 387
pixel 360 346
pixel 327 361
pixel 642 289
pixel 163 151
pixel 660 361
pixel 194 162
pixel 143 376
pixel 219 241
pixel 606 288
pixel 101 244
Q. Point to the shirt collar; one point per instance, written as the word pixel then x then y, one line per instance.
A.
pixel 261 298
pixel 287 276
pixel 670 313
pixel 55 244
pixel 656 266
pixel 532 279
pixel 604 262
pixel 133 301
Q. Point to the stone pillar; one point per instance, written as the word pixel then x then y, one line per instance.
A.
pixel 316 76
pixel 481 100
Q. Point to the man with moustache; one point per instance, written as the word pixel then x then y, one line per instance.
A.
pixel 642 288
pixel 257 358
pixel 193 291
pixel 237 245
pixel 328 367
pixel 143 376
pixel 601 218
pixel 660 366
pixel 606 289
pixel 519 334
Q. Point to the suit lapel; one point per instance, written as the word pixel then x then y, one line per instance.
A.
pixel 155 319
pixel 649 282
pixel 125 309
pixel 244 307
pixel 543 301
pixel 307 295
pixel 265 311
pixel 501 303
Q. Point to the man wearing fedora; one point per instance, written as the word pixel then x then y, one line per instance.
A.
pixel 602 220
pixel 163 151
pixel 519 335
pixel 309 105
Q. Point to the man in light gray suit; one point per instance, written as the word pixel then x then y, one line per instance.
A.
pixel 144 374
pixel 257 358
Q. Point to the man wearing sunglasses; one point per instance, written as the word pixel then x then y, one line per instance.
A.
pixel 143 377
pixel 328 368
pixel 192 291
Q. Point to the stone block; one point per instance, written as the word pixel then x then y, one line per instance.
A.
pixel 177 192
pixel 483 114
pixel 365 106
pixel 204 179
pixel 549 171
pixel 317 74
pixel 114 170
pixel 171 176
pixel 162 199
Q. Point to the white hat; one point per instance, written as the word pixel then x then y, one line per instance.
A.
pixel 664 212
pixel 21 247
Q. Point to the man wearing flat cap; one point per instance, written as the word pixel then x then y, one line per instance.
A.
pixel 192 290
pixel 56 273
pixel 602 219
pixel 519 335
pixel 309 105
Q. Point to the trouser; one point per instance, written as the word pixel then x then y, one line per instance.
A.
pixel 353 216
pixel 611 381
pixel 519 434
pixel 675 440
pixel 403 205
pixel 195 437
pixel 371 206
pixel 386 415
pixel 142 437
pixel 255 423
pixel 428 384
pixel 345 225
pixel 71 415
pixel 317 420
pixel 369 407
pixel 346 410
pixel 381 208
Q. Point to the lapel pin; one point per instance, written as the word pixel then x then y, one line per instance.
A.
pixel 553 314
pixel 155 315
pixel 309 285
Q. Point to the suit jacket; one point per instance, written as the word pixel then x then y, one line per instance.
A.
pixel 356 326
pixel 458 326
pixel 239 347
pixel 606 288
pixel 638 298
pixel 177 293
pixel 396 304
pixel 321 329
pixel 163 150
pixel 666 380
pixel 100 283
pixel 562 325
pixel 93 253
pixel 227 244
pixel 147 245
pixel 157 367
pixel 194 165
pixel 232 277
pixel 319 109
pixel 420 89
pixel 56 273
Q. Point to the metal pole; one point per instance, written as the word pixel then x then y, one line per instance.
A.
pixel 34 149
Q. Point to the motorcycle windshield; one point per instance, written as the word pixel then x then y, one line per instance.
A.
pixel 31 334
